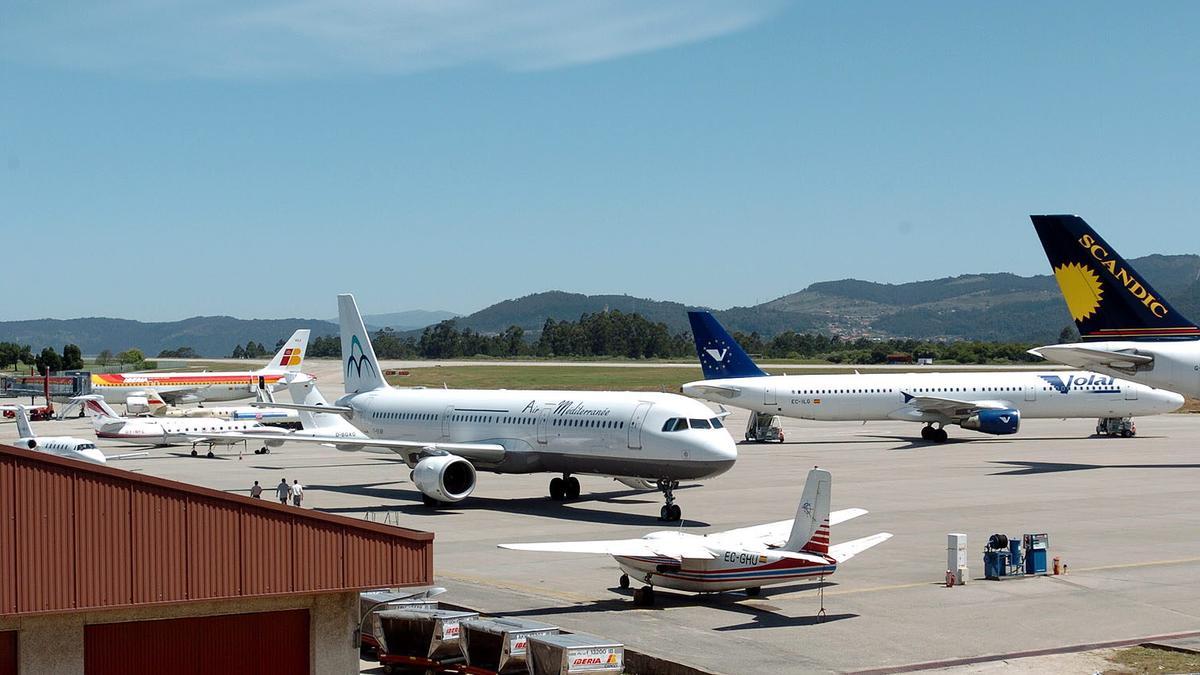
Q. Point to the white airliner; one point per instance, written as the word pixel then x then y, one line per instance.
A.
pixel 59 446
pixel 199 387
pixel 160 431
pixel 989 402
pixel 1128 329
pixel 446 435
pixel 746 558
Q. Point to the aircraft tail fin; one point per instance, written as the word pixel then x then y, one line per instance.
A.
pixel 97 407
pixel 720 355
pixel 305 392
pixel 810 529
pixel 1107 298
pixel 290 355
pixel 24 428
pixel 360 367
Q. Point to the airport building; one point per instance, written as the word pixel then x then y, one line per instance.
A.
pixel 107 571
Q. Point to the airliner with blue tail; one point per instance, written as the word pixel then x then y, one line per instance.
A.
pixel 988 402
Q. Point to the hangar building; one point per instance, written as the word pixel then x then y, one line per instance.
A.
pixel 104 571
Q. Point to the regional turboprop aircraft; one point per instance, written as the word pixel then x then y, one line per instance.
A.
pixel 199 387
pixel 445 435
pixel 1128 328
pixel 59 446
pixel 746 558
pixel 988 402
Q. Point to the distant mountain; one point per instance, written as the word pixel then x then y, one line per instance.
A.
pixel 208 335
pixel 410 320
pixel 977 306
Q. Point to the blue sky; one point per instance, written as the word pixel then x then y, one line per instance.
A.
pixel 214 157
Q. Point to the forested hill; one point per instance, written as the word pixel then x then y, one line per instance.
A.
pixel 999 307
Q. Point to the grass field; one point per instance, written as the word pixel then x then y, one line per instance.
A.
pixel 549 377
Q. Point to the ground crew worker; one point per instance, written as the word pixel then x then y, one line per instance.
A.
pixel 256 491
pixel 282 491
pixel 297 493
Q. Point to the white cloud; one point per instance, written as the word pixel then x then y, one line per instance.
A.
pixel 300 38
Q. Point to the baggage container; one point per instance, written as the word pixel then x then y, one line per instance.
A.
pixel 563 654
pixel 371 640
pixel 426 633
pixel 499 645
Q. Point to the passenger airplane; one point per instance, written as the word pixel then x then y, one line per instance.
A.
pixel 989 402
pixel 446 435
pixel 59 446
pixel 746 558
pixel 199 387
pixel 161 432
pixel 1128 328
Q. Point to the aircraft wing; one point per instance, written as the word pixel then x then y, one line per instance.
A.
pixel 774 535
pixel 724 390
pixel 1087 357
pixel 484 452
pixel 948 406
pixel 649 548
pixel 847 550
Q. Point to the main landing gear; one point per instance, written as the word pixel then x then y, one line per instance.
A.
pixel 936 434
pixel 670 512
pixel 562 489
pixel 264 450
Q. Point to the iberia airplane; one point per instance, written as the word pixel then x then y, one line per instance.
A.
pixel 198 387
pixel 746 558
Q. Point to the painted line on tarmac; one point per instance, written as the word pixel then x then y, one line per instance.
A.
pixel 519 588
pixel 1152 563
pixel 1088 647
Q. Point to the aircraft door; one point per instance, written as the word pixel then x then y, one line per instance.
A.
pixel 769 395
pixel 543 422
pixel 1030 392
pixel 1130 392
pixel 446 421
pixel 635 425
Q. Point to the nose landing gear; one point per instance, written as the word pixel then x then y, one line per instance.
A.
pixel 670 511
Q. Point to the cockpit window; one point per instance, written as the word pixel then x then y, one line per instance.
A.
pixel 716 422
pixel 669 425
pixel 86 446
pixel 680 424
pixel 700 424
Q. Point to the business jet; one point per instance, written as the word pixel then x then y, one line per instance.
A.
pixel 59 446
pixel 988 402
pixel 746 558
pixel 200 387
pixel 447 435
pixel 1128 328
pixel 157 431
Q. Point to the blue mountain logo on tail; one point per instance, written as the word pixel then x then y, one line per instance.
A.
pixel 358 359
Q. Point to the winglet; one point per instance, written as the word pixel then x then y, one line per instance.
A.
pixel 1107 298
pixel 720 355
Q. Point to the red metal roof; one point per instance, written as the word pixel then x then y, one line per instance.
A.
pixel 78 536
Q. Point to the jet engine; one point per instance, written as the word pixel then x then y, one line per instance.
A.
pixel 446 478
pixel 31 444
pixel 998 422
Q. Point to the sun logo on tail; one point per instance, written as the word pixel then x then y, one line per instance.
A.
pixel 1081 288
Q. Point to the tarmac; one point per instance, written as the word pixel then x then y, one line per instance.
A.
pixel 1121 513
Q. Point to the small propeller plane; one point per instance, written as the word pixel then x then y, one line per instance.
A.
pixel 746 558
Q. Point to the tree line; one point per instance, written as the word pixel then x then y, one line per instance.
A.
pixel 629 335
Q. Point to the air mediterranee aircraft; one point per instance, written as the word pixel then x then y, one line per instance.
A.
pixel 447 435
pixel 988 402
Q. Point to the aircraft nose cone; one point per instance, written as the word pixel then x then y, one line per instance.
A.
pixel 1172 400
pixel 721 452
pixel 94 456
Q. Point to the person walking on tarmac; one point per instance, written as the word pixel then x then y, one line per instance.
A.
pixel 297 493
pixel 256 491
pixel 282 491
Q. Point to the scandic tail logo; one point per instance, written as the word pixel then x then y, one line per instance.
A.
pixel 358 359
